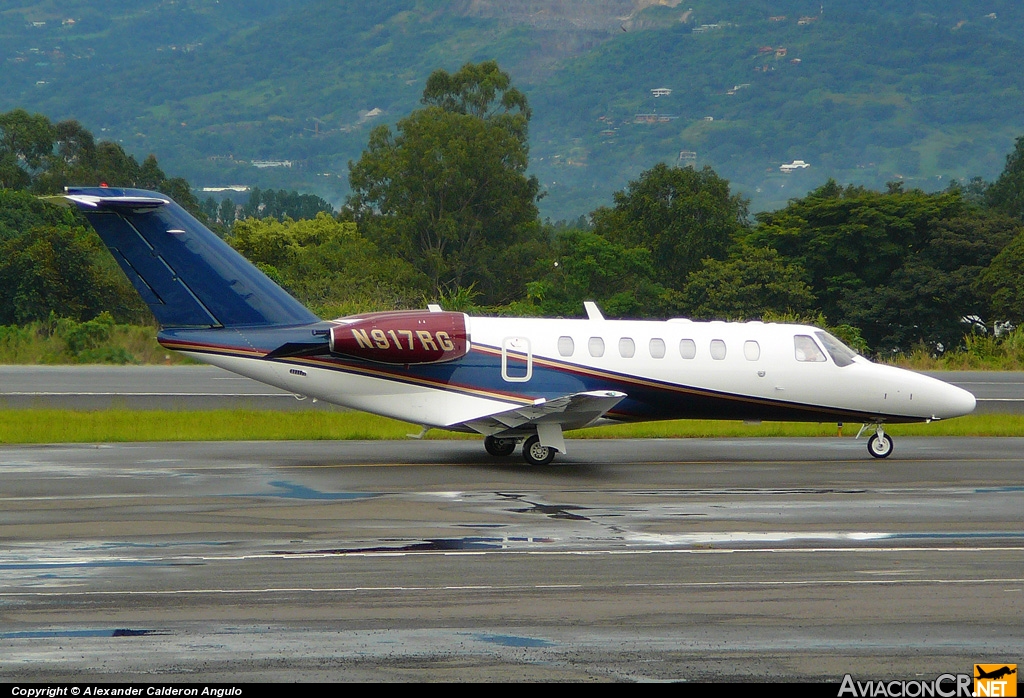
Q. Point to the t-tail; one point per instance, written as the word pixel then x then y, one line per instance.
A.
pixel 188 276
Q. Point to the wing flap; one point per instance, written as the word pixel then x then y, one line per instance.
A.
pixel 569 412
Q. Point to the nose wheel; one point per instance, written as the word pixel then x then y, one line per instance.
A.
pixel 880 444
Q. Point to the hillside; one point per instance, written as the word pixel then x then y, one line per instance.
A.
pixel 918 91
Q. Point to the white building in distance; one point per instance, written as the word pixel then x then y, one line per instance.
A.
pixel 793 166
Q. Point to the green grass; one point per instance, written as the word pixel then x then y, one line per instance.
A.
pixel 66 426
pixel 98 341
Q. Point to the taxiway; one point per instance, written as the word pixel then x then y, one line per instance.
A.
pixel 798 559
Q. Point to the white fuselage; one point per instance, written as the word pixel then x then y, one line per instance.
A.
pixel 747 370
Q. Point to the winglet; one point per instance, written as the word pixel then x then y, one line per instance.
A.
pixel 593 312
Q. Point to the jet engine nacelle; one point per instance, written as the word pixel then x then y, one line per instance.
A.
pixel 402 337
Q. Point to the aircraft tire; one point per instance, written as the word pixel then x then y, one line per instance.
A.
pixel 535 454
pixel 499 447
pixel 880 446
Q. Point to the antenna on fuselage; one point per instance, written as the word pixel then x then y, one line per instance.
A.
pixel 593 312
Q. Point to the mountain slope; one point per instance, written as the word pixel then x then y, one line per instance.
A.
pixel 865 93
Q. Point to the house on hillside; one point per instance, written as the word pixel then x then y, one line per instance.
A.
pixel 793 166
pixel 653 118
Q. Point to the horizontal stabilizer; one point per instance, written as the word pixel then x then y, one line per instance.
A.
pixel 569 411
pixel 290 349
pixel 85 201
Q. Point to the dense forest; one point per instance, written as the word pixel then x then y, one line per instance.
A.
pixel 443 209
pixel 282 95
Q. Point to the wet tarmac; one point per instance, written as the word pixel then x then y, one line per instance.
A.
pixel 649 560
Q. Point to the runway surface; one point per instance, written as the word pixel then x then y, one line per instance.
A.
pixel 630 561
pixel 207 387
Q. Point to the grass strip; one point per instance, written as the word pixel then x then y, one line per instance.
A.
pixel 67 426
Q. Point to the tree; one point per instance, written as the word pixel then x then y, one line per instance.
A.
pixel 20 211
pixel 114 167
pixel 28 136
pixel 681 215
pixel 448 191
pixel 226 214
pixel 328 265
pixel 588 267
pixel 181 191
pixel 753 282
pixel 900 265
pixel 55 269
pixel 150 175
pixel 483 91
pixel 210 208
pixel 25 141
pixel 283 204
pixel 1006 194
pixel 38 155
pixel 51 263
pixel 1002 283
pixel 73 160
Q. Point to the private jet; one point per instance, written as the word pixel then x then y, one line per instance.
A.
pixel 511 380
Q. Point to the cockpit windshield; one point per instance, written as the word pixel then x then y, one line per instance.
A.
pixel 840 353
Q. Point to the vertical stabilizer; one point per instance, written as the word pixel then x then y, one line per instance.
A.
pixel 187 275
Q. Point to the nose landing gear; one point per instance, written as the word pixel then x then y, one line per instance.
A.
pixel 880 444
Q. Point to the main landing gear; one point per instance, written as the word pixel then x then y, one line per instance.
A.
pixel 880 444
pixel 499 447
pixel 533 452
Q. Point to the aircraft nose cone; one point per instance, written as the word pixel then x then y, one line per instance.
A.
pixel 955 402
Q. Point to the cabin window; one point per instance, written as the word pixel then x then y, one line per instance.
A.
pixel 687 348
pixel 717 349
pixel 657 348
pixel 840 353
pixel 751 350
pixel 596 346
pixel 806 349
pixel 626 348
pixel 566 347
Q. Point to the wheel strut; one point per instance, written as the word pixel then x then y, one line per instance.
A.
pixel 880 444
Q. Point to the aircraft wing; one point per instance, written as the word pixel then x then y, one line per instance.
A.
pixel 549 417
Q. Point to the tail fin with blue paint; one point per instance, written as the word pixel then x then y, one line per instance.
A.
pixel 187 275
